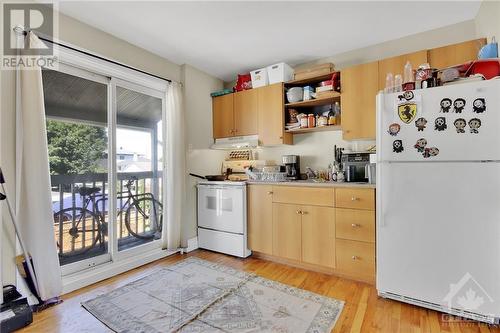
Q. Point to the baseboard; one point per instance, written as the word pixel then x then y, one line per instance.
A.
pixel 192 244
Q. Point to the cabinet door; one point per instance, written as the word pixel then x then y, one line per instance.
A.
pixel 222 113
pixel 245 112
pixel 271 119
pixel 359 90
pixel 318 235
pixel 395 65
pixel 455 54
pixel 287 231
pixel 260 218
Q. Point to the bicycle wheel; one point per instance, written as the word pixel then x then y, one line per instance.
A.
pixel 82 230
pixel 144 218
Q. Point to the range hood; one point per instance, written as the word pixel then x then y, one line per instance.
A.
pixel 237 142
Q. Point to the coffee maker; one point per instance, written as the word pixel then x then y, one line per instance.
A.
pixel 292 166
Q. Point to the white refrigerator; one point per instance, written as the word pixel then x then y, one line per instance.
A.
pixel 438 199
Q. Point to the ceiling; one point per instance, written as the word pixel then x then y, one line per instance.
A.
pixel 77 99
pixel 225 38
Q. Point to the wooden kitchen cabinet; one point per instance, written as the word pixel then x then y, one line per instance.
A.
pixel 395 65
pixel 318 235
pixel 359 90
pixel 246 112
pixel 455 54
pixel 223 116
pixel 287 231
pixel 271 116
pixel 260 218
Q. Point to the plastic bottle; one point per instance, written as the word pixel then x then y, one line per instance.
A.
pixel 398 83
pixel 336 109
pixel 408 73
pixel 389 83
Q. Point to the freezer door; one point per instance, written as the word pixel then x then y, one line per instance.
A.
pixel 438 232
pixel 458 139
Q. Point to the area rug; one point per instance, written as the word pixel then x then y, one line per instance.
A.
pixel 195 295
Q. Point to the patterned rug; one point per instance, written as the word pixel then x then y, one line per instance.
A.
pixel 195 295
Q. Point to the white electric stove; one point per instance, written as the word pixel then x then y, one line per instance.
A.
pixel 222 217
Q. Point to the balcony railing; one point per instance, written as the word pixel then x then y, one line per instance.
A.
pixel 80 204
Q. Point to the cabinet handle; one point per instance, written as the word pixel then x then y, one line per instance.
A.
pixel 269 192
pixel 355 225
pixel 302 212
pixel 354 257
pixel 354 199
pixel 298 212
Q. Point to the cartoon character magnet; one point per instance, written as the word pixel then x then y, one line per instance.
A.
pixel 458 105
pixel 420 145
pixel 429 152
pixel 445 105
pixel 420 123
pixel 440 124
pixel 397 146
pixel 474 124
pixel 394 129
pixel 408 95
pixel 479 105
pixel 407 112
pixel 460 124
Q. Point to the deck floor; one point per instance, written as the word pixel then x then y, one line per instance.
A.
pixel 363 312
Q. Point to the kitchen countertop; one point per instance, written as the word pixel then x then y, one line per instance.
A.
pixel 310 183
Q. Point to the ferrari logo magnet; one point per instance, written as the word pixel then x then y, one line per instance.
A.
pixel 407 112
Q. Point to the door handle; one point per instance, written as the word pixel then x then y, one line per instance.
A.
pixel 354 199
pixel 354 257
pixel 269 192
pixel 298 212
pixel 355 225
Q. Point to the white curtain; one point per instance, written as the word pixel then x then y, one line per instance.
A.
pixel 33 192
pixel 174 182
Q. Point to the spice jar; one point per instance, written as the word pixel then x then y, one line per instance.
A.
pixel 304 122
pixel 311 120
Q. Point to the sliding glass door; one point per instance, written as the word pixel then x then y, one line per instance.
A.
pixel 106 154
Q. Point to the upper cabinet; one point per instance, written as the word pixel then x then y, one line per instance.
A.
pixel 455 54
pixel 359 88
pixel 395 65
pixel 223 116
pixel 246 112
pixel 256 111
pixel 271 116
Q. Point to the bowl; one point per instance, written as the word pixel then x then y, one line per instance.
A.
pixel 295 94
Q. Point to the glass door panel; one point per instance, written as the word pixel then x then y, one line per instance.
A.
pixel 139 161
pixel 76 108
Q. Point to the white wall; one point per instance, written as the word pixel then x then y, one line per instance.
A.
pixel 487 20
pixel 199 158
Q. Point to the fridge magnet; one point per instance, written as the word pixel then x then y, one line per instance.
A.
pixel 440 124
pixel 458 105
pixel 420 123
pixel 460 124
pixel 420 145
pixel 479 105
pixel 397 146
pixel 408 95
pixel 445 105
pixel 394 129
pixel 474 124
pixel 429 152
pixel 407 112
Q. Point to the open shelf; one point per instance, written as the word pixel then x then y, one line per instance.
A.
pixel 315 102
pixel 311 80
pixel 315 129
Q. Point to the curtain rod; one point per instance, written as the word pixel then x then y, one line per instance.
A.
pixel 25 33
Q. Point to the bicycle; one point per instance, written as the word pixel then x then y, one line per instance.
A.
pixel 139 206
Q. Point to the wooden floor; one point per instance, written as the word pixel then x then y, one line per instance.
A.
pixel 363 312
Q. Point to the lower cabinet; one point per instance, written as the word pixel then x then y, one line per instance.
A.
pixel 330 230
pixel 318 235
pixel 260 218
pixel 287 230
